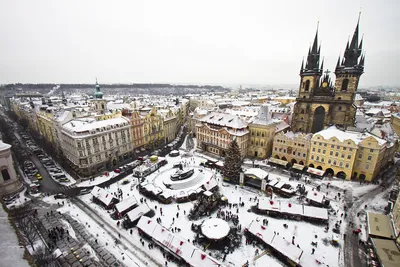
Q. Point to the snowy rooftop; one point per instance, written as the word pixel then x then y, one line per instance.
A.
pixel 227 120
pixel 87 124
pixel 356 137
pixel 4 146
pixel 126 204
pixel 215 228
pixel 256 172
pixel 102 195
pixel 137 212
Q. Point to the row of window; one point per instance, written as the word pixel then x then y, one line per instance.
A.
pixel 284 142
pixel 294 152
pixel 333 146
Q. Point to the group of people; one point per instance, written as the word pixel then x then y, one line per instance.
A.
pixel 57 233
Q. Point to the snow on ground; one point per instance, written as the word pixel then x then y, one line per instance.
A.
pixel 97 180
pixel 68 227
pixel 173 215
pixel 19 201
pixel 11 253
pixel 103 238
pixel 304 232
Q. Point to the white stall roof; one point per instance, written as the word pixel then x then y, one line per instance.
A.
pixel 265 233
pixel 285 247
pixel 137 212
pixel 292 208
pixel 211 184
pixel 181 247
pixel 126 204
pixel 314 212
pixel 162 235
pixel 102 195
pixel 147 225
pixel 256 172
pixel 315 196
pixel 267 204
pixel 201 258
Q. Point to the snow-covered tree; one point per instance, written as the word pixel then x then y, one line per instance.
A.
pixel 233 163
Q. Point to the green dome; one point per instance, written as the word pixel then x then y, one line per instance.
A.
pixel 98 93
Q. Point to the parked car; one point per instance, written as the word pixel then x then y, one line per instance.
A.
pixel 64 180
pixel 39 176
pixel 85 191
pixel 117 170
pixel 9 199
pixel 60 196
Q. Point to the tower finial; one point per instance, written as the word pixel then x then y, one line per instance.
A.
pixel 315 44
pixel 96 80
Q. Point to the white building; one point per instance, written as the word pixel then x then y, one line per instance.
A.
pixel 94 145
pixel 9 182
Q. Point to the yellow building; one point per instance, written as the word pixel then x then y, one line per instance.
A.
pixel 137 122
pixel 292 147
pixel 216 130
pixel 395 120
pixel 396 218
pixel 262 131
pixel 171 126
pixel 349 154
pixel 153 129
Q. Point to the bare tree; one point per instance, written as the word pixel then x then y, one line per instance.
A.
pixel 44 257
pixel 25 219
pixel 189 142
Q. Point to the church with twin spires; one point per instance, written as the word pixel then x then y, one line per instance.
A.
pixel 320 102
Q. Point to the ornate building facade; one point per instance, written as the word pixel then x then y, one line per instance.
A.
pixel 262 131
pixel 292 147
pixel 216 130
pixel 319 103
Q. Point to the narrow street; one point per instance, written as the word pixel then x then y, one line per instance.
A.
pixel 354 255
pixel 47 184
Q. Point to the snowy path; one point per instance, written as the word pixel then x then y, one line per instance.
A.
pixel 143 256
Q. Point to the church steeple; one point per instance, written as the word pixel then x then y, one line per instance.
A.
pixel 353 51
pixel 98 94
pixel 313 58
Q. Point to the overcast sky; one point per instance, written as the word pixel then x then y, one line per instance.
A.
pixel 184 41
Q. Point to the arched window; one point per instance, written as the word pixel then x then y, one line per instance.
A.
pixel 307 86
pixel 339 108
pixel 302 111
pixel 345 84
pixel 304 97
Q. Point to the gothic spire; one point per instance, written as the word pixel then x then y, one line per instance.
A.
pixel 315 49
pixel 354 40
pixel 338 62
pixel 362 60
pixel 312 63
pixel 361 43
pixel 322 65
pixel 353 50
pixel 302 66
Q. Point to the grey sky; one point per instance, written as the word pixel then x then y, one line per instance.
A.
pixel 205 41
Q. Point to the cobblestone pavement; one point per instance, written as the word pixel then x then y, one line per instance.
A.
pixel 74 253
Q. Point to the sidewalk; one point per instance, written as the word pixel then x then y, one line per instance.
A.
pixel 74 253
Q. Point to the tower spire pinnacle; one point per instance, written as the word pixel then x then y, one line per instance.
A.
pixel 315 44
pixel 302 66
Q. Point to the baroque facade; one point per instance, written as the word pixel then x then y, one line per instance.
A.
pixel 350 155
pixel 292 147
pixel 216 130
pixel 262 131
pixel 320 103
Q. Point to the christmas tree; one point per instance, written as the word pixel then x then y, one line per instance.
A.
pixel 233 163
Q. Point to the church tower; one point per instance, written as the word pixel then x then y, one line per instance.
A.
pixel 99 104
pixel 319 103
